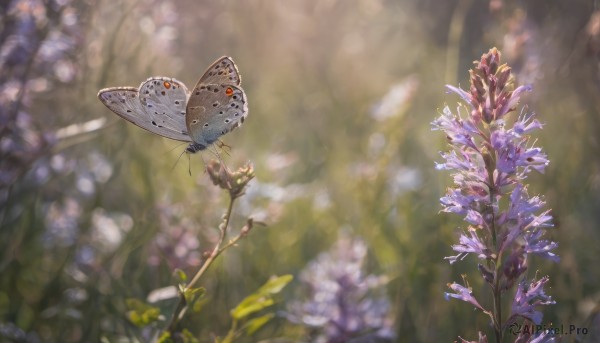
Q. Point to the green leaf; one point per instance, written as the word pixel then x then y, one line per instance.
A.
pixel 165 337
pixel 180 275
pixel 251 304
pixel 198 305
pixel 275 284
pixel 188 337
pixel 255 324
pixel 193 294
pixel 184 336
pixel 140 313
pixel 261 298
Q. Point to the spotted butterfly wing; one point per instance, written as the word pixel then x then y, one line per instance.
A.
pixel 157 106
pixel 217 104
pixel 214 110
pixel 222 71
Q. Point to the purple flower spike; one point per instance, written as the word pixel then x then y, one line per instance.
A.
pixel 491 155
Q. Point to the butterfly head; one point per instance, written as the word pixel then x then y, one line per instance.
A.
pixel 195 147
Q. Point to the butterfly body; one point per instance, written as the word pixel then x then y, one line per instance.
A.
pixel 164 106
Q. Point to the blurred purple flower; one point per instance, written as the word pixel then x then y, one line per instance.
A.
pixel 159 22
pixel 13 333
pixel 91 171
pixel 109 229
pixel 38 46
pixel 177 243
pixel 343 304
pixel 62 222
pixel 397 97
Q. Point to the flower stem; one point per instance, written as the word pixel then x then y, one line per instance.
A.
pixel 217 250
pixel 497 308
pixel 497 314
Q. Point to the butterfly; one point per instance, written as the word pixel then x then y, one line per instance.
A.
pixel 164 106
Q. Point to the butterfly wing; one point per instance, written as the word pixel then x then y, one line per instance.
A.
pixel 222 71
pixel 126 102
pixel 164 100
pixel 213 110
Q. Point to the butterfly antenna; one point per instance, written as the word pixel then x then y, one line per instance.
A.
pixel 189 165
pixel 177 146
pixel 177 161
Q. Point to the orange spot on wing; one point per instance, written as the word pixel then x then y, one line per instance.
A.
pixel 229 91
pixel 167 84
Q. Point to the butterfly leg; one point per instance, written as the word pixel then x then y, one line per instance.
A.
pixel 203 160
pixel 216 153
pixel 224 147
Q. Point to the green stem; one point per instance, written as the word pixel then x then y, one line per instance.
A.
pixel 497 314
pixel 217 250
pixel 232 333
pixel 497 303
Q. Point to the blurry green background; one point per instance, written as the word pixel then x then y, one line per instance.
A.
pixel 341 94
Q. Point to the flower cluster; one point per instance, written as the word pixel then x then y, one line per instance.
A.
pixel 37 48
pixel 234 182
pixel 491 156
pixel 343 303
pixel 176 243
